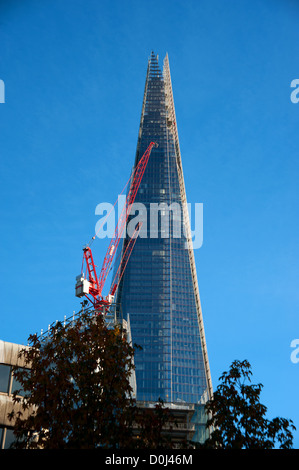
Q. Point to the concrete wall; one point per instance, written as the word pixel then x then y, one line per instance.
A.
pixel 9 353
pixel 9 356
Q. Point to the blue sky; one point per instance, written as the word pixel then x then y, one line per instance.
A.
pixel 74 74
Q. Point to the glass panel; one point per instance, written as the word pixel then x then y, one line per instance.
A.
pixel 1 435
pixel 17 386
pixel 4 377
pixel 9 438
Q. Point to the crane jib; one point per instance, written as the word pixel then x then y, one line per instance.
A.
pixel 89 284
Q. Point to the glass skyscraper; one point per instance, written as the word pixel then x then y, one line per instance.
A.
pixel 159 290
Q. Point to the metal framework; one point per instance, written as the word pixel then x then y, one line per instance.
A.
pixel 172 128
pixel 89 284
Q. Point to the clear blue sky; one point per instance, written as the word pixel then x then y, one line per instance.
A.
pixel 74 73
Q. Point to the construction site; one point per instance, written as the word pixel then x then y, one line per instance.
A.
pixel 146 285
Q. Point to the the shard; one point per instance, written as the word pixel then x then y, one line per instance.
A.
pixel 159 290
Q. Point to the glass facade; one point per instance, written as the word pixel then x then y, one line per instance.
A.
pixel 157 290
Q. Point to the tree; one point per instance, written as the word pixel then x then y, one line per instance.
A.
pixel 154 426
pixel 77 393
pixel 238 419
pixel 77 387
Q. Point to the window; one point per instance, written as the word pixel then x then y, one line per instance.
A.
pixel 9 438
pixel 16 386
pixel 4 377
pixel 1 435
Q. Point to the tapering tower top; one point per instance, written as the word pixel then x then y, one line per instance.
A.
pixel 159 289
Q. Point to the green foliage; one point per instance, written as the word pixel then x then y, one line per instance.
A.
pixel 238 419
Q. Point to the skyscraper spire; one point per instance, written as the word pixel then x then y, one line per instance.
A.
pixel 159 290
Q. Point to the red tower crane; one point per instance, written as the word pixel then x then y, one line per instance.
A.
pixel 89 283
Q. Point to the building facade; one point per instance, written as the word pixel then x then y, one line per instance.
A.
pixel 9 357
pixel 159 289
pixel 185 416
